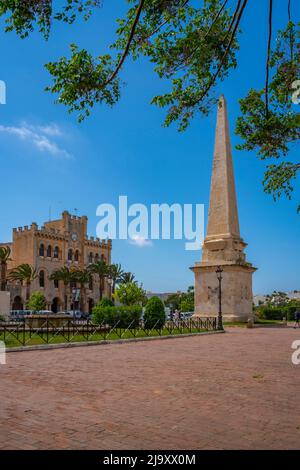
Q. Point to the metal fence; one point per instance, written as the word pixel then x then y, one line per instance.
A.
pixel 15 334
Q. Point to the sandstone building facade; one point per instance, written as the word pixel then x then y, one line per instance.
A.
pixel 57 243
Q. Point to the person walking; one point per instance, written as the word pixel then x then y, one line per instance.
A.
pixel 297 318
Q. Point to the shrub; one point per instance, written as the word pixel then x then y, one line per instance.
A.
pixel 154 316
pixel 105 302
pixel 186 306
pixel 2 318
pixel 125 315
pixel 37 301
pixel 272 313
pixel 291 309
pixel 130 294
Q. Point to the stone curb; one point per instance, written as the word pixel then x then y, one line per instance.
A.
pixel 45 347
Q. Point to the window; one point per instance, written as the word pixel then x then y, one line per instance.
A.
pixel 56 252
pixel 56 283
pixel 49 251
pixel 42 250
pixel 70 254
pixel 91 257
pixel 42 278
pixel 76 255
pixel 96 257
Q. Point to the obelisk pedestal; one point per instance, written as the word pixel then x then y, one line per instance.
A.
pixel 223 245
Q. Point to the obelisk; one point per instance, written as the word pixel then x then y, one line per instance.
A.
pixel 223 245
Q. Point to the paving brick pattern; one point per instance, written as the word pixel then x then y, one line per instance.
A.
pixel 238 390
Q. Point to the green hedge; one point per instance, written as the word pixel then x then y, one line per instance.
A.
pixel 277 313
pixel 125 315
pixel 290 311
pixel 105 302
pixel 272 313
pixel 154 316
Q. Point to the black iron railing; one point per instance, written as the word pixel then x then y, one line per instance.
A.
pixel 16 334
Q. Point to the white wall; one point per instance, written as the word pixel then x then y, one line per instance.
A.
pixel 5 304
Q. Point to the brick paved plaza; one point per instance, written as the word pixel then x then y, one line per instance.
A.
pixel 236 390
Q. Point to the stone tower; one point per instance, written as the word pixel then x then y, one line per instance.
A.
pixel 223 245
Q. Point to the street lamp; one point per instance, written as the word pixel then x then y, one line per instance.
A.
pixel 75 299
pixel 219 271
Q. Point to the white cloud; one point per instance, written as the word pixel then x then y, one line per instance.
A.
pixel 51 129
pixel 42 137
pixel 140 241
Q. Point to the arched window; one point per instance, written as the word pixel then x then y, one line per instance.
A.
pixel 56 252
pixel 91 283
pixel 49 251
pixel 42 278
pixel 56 283
pixel 97 257
pixel 70 254
pixel 91 257
pixel 76 255
pixel 42 250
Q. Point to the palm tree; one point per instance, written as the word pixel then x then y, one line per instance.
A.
pixel 101 269
pixel 65 275
pixel 83 277
pixel 128 278
pixel 24 273
pixel 4 257
pixel 115 273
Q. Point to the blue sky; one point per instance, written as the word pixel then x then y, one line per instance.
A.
pixel 49 160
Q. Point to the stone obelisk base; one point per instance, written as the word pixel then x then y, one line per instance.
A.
pixel 236 291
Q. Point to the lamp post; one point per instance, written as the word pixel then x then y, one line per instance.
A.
pixel 75 299
pixel 219 271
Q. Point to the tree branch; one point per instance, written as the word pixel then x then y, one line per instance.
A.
pixel 233 19
pixel 162 24
pixel 207 32
pixel 129 41
pixel 268 57
pixel 216 18
pixel 291 34
pixel 239 17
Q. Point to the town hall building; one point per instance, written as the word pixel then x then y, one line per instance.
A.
pixel 57 243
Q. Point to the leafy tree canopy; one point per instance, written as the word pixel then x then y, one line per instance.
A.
pixel 105 302
pixel 277 299
pixel 193 47
pixel 37 301
pixel 183 301
pixel 154 316
pixel 130 294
